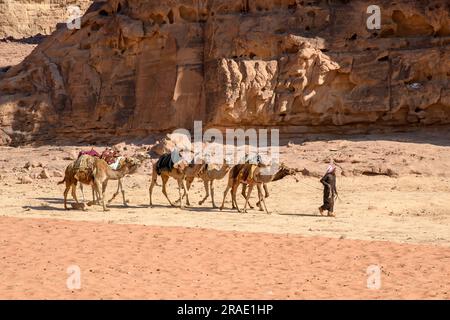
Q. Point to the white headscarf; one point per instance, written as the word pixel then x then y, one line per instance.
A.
pixel 331 168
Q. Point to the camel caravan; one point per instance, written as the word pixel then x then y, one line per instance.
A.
pixel 96 170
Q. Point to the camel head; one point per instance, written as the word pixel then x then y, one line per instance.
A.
pixel 131 164
pixel 286 171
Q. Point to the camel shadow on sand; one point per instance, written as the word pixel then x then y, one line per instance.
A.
pixel 44 208
pixel 206 209
pixel 60 201
pixel 311 215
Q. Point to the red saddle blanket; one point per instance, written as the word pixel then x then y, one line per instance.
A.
pixel 91 152
pixel 109 156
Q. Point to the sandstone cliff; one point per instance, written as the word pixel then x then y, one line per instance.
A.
pixel 141 66
pixel 26 18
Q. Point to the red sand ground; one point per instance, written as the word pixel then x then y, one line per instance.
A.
pixel 132 261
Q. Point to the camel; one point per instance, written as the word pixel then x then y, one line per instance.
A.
pixel 252 175
pixel 166 168
pixel 136 158
pixel 259 178
pixel 78 172
pixel 208 175
pixel 232 178
pixel 103 173
pixel 95 172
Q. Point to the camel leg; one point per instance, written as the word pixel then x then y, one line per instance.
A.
pixel 186 193
pixel 243 192
pixel 152 184
pixel 205 184
pixel 115 193
pixel 225 195
pixel 125 201
pixel 189 183
pixel 104 184
pixel 119 188
pixel 66 191
pixel 94 197
pixel 164 191
pixel 250 188
pixel 244 188
pixel 262 198
pixel 233 197
pixel 188 187
pixel 233 201
pixel 99 188
pixel 266 190
pixel 74 193
pixel 181 185
pixel 82 192
pixel 211 186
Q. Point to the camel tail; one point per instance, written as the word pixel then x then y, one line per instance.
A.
pixel 61 182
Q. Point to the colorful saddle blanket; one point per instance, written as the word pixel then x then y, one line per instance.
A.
pixel 91 152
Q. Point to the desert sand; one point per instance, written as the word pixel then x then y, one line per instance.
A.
pixel 129 261
pixel 393 212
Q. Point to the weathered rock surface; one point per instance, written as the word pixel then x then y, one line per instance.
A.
pixel 26 18
pixel 143 66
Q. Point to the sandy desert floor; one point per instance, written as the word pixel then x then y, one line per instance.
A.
pixel 393 213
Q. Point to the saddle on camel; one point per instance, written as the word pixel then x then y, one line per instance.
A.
pixel 92 168
pixel 82 167
pixel 109 155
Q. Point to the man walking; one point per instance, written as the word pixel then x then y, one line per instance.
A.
pixel 329 191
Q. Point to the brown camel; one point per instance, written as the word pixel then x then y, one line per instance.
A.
pixel 96 172
pixel 78 171
pixel 233 177
pixel 260 177
pixel 165 167
pixel 210 173
pixel 252 175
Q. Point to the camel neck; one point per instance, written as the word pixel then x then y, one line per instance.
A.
pixel 279 175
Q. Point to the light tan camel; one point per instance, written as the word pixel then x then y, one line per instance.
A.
pixel 259 177
pixel 252 175
pixel 96 172
pixel 178 171
pixel 210 173
pixel 103 173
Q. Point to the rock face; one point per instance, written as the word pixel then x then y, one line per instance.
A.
pixel 142 66
pixel 21 19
